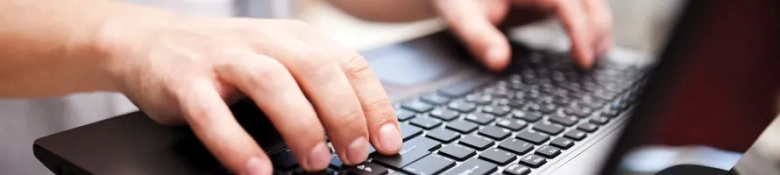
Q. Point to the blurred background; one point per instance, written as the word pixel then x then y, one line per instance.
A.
pixel 639 26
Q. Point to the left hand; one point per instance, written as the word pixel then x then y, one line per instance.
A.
pixel 588 23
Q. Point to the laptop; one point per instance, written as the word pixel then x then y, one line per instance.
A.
pixel 541 116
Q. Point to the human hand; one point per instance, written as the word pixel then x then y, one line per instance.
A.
pixel 186 70
pixel 588 24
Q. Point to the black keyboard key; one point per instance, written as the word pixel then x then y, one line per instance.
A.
pixel 562 119
pixel 457 152
pixel 300 171
pixel 532 95
pixel 551 129
pixel 578 111
pixel 417 106
pixel 443 135
pixel 533 137
pixel 562 100
pixel 604 95
pixel 409 131
pixel 426 123
pixel 527 116
pixel 431 164
pixel 517 169
pixel 444 114
pixel 462 88
pixel 562 143
pixel 422 143
pixel 367 168
pixel 404 115
pixel 284 160
pixel 611 113
pixel 588 127
pixel 548 151
pixel 434 99
pixel 624 106
pixel 533 160
pixel 335 162
pixel 591 102
pixel 481 99
pixel 599 120
pixel 408 154
pixel 473 167
pixel 494 133
pixel 547 108
pixel 464 107
pixel 475 142
pixel 462 126
pixel 531 106
pixel 480 118
pixel 516 103
pixel 518 147
pixel 497 156
pixel 575 134
pixel 511 124
pixel 501 101
pixel 496 110
pixel 499 93
pixel 395 172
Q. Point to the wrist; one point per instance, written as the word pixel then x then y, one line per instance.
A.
pixel 120 40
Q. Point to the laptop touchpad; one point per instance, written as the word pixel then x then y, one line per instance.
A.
pixel 405 66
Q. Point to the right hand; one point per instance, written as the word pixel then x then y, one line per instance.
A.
pixel 588 23
pixel 182 70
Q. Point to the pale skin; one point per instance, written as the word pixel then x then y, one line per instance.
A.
pixel 186 70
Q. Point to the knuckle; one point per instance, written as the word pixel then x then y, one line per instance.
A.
pixel 357 68
pixel 264 75
pixel 200 116
pixel 306 129
pixel 381 108
pixel 311 63
pixel 352 117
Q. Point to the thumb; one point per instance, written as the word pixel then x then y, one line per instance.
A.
pixel 471 24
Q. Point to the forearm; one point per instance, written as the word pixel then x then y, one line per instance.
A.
pixel 52 48
pixel 387 10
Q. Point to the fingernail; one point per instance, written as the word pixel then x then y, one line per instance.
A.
pixel 390 137
pixel 495 57
pixel 255 167
pixel 358 150
pixel 318 157
pixel 494 54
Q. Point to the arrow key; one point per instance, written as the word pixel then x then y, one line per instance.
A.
pixel 367 168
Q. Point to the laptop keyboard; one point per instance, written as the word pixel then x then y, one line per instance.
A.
pixel 509 125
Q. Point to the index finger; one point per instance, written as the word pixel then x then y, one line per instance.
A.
pixel 575 20
pixel 214 124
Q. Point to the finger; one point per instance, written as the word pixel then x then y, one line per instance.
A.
pixel 472 25
pixel 605 45
pixel 576 23
pixel 212 121
pixel 601 22
pixel 384 131
pixel 275 92
pixel 332 95
pixel 495 10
